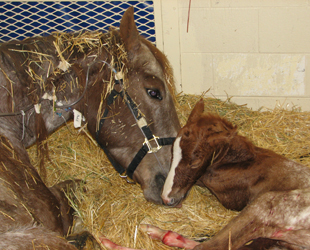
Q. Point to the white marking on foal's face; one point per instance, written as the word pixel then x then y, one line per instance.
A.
pixel 177 157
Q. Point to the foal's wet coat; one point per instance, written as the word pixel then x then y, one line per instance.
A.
pixel 272 191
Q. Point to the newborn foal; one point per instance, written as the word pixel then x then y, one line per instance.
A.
pixel 273 191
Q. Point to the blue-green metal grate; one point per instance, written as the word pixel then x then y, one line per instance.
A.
pixel 19 20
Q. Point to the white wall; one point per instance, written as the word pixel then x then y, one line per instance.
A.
pixel 254 50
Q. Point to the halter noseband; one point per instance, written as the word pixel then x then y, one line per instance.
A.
pixel 141 122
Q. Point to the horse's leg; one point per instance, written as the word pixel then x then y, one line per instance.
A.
pixel 78 237
pixel 34 237
pixel 281 216
pixel 59 191
pixel 173 239
pixel 169 238
pixel 20 180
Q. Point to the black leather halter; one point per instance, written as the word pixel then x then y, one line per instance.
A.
pixel 141 122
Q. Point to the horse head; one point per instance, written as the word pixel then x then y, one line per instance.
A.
pixel 138 115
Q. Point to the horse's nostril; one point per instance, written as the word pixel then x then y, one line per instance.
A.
pixel 171 202
pixel 168 201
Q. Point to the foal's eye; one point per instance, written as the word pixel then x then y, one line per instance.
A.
pixel 154 93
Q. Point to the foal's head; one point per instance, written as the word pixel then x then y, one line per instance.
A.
pixel 199 144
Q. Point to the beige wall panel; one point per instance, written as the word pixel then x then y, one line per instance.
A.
pixel 194 3
pixel 259 74
pixel 257 51
pixel 284 30
pixel 307 77
pixel 171 37
pixel 219 30
pixel 257 3
pixel 158 25
pixel 197 73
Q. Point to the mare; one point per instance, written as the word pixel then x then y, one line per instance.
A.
pixel 121 85
pixel 272 191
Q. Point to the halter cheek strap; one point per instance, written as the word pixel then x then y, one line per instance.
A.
pixel 113 95
pixel 149 137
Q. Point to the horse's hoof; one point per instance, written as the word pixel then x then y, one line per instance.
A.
pixel 83 241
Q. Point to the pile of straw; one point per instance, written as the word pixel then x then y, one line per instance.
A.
pixel 115 209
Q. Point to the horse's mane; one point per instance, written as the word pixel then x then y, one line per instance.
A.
pixel 90 42
pixel 99 49
pixel 48 59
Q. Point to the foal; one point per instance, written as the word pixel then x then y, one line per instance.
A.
pixel 273 191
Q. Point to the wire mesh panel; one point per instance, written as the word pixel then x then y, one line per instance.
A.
pixel 27 19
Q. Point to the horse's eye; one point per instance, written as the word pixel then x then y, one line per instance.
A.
pixel 154 93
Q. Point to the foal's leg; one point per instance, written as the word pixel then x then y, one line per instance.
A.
pixel 275 215
pixel 169 238
pixel 282 216
pixel 111 245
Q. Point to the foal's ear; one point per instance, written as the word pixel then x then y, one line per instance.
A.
pixel 197 111
pixel 129 32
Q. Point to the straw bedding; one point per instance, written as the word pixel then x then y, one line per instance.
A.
pixel 114 208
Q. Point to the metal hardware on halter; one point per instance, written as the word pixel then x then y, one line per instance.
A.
pixel 125 177
pixel 148 144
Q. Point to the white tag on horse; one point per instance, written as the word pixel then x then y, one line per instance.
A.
pixel 77 122
pixel 37 108
pixel 142 122
pixel 119 75
pixel 47 96
pixel 64 65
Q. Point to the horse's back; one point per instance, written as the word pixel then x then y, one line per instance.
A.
pixel 15 55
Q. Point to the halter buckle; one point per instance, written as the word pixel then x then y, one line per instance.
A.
pixel 125 177
pixel 148 144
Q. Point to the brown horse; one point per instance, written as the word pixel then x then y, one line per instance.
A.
pixel 272 190
pixel 118 82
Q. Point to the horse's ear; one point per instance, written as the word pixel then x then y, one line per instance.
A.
pixel 129 32
pixel 197 111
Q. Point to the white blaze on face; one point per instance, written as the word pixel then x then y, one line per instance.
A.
pixel 177 156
